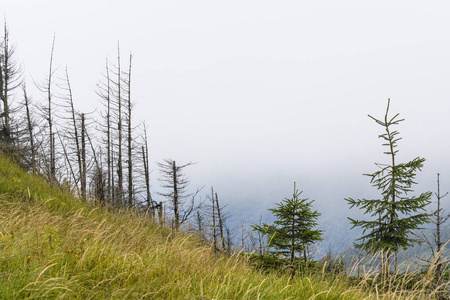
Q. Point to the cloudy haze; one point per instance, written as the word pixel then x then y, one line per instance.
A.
pixel 261 93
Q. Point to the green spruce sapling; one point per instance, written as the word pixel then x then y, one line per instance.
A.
pixel 397 214
pixel 293 230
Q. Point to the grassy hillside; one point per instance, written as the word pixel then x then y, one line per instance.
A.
pixel 54 247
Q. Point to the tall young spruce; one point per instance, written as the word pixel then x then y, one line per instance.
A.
pixel 397 214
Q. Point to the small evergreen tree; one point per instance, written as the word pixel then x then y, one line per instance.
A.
pixel 396 215
pixel 293 231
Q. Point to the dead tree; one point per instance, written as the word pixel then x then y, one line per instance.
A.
pixel 111 92
pixel 30 127
pixel 229 239
pixel 149 200
pixel 10 79
pixel 88 159
pixel 176 183
pixel 213 216
pixel 217 221
pixel 72 133
pixel 34 134
pixel 259 239
pixel 75 134
pixel 105 93
pixel 129 138
pixel 47 112
pixel 222 217
pixel 199 222
pixel 244 237
pixel 98 178
pixel 83 157
pixel 436 245
pixel 119 128
pixel 50 121
pixel 67 160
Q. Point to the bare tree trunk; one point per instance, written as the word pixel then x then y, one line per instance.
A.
pixel 119 127
pixel 108 133
pixel 130 164
pixel 175 197
pixel 106 93
pixel 229 240
pixel 30 131
pixel 54 157
pixel 113 185
pixel 66 156
pixel 75 129
pixel 214 219
pixel 99 188
pixel 199 220
pixel 260 237
pixel 83 158
pixel 160 213
pixel 4 82
pixel 50 122
pixel 220 223
pixel 147 176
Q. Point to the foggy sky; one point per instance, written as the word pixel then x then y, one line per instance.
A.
pixel 260 93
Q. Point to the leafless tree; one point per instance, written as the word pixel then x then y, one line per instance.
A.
pixel 110 91
pixel 98 181
pixel 71 132
pixel 437 243
pixel 176 183
pixel 259 239
pixel 229 239
pixel 244 238
pixel 145 162
pixel 199 220
pixel 47 114
pixel 217 219
pixel 70 170
pixel 105 93
pixel 119 101
pixel 83 157
pixel 222 218
pixel 10 79
pixel 213 215
pixel 120 135
pixel 129 137
pixel 30 126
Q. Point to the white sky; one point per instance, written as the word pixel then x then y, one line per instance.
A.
pixel 261 93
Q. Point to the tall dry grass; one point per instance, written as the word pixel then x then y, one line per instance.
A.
pixel 54 247
pixel 90 253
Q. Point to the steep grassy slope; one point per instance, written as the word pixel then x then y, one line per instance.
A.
pixel 54 247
